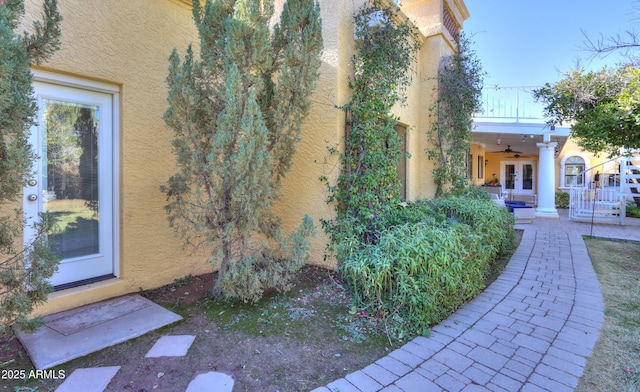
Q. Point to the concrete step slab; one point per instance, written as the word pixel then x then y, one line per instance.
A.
pixel 171 346
pixel 87 329
pixel 88 379
pixel 211 382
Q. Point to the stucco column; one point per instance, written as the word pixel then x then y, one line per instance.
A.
pixel 546 181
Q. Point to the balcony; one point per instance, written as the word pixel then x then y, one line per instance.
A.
pixel 510 116
pixel 511 105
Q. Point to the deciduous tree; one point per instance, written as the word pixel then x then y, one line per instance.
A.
pixel 603 107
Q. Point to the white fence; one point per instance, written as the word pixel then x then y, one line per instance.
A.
pixel 604 198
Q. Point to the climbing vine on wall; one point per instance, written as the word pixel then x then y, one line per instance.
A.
pixel 459 94
pixel 368 182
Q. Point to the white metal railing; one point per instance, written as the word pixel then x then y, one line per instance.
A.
pixel 630 177
pixel 515 103
pixel 613 183
pixel 595 202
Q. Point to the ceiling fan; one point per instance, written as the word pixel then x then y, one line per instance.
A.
pixel 516 156
pixel 508 150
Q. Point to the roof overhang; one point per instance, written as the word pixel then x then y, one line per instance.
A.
pixel 520 136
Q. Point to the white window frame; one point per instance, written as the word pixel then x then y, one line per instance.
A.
pixel 563 161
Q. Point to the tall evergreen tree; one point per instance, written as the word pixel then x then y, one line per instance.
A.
pixel 23 270
pixel 237 114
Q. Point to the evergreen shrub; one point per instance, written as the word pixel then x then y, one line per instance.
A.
pixel 562 199
pixel 632 211
pixel 25 269
pixel 237 111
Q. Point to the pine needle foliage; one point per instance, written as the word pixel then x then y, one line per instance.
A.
pixel 24 270
pixel 368 182
pixel 237 113
pixel 459 96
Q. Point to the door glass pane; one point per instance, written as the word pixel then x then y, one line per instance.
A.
pixel 527 176
pixel 70 183
pixel 510 176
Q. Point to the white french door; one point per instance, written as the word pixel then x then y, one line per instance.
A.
pixel 518 177
pixel 74 179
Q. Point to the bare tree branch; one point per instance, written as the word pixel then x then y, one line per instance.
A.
pixel 626 42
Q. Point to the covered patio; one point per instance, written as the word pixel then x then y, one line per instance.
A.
pixel 520 148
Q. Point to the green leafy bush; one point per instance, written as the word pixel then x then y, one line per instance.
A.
pixel 493 223
pixel 472 192
pixel 562 199
pixel 632 211
pixel 421 270
pixel 412 212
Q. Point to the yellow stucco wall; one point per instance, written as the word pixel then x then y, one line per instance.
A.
pixel 492 168
pixel 127 43
pixel 420 97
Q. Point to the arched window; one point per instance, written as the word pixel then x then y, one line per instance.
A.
pixel 573 171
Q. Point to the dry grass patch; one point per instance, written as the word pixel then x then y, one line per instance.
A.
pixel 614 364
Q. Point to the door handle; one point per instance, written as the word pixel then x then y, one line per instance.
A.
pixel 32 197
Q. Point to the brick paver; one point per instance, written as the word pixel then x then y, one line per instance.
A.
pixel 531 330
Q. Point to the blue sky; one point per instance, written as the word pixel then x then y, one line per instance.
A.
pixel 529 43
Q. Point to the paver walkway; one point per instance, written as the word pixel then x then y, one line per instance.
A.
pixel 531 330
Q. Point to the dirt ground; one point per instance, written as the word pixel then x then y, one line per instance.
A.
pixel 292 342
pixel 296 341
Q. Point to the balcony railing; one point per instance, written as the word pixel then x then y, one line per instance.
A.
pixel 510 104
